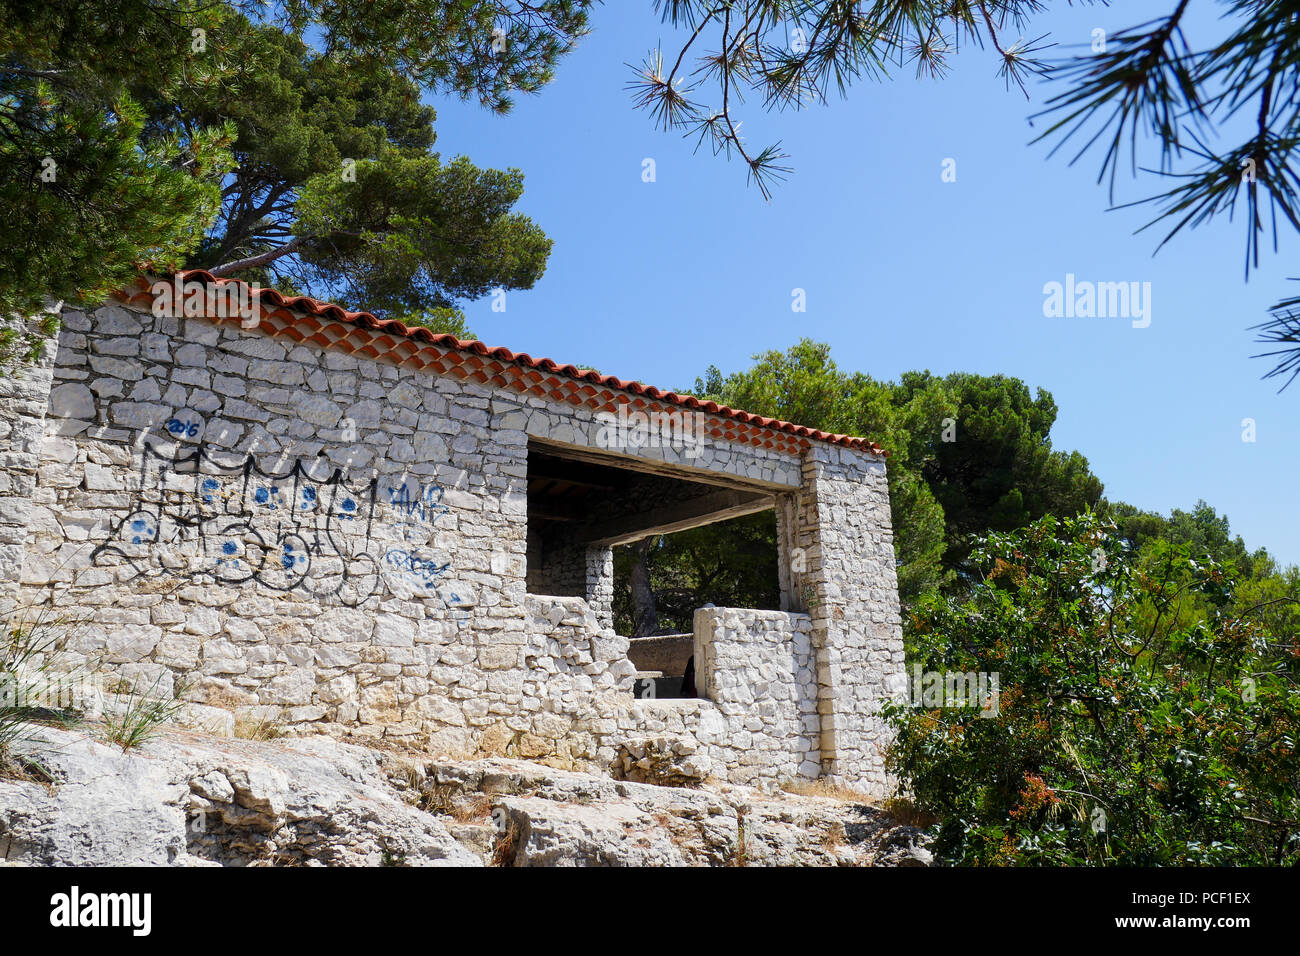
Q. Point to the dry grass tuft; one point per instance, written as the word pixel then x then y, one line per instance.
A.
pixel 906 814
pixel 266 728
pixel 830 791
pixel 506 846
pixel 835 837
pixel 23 770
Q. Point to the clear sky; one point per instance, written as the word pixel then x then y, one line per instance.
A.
pixel 656 281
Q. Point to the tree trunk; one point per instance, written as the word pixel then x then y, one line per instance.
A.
pixel 645 619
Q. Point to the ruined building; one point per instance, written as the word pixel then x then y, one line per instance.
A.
pixel 275 507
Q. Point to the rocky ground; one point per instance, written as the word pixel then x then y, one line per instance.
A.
pixel 191 799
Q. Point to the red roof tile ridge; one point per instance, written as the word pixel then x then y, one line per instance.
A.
pixel 368 320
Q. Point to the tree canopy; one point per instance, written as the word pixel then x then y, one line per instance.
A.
pixel 94 191
pixel 969 454
pixel 281 141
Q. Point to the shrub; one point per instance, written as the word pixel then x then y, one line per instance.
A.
pixel 1143 717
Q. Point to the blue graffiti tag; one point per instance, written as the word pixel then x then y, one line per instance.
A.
pixel 291 530
pixel 427 572
pixel 141 532
pixel 426 506
pixel 178 427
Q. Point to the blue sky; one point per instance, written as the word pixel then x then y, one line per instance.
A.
pixel 656 281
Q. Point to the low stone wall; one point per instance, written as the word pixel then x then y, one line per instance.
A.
pixel 574 669
pixel 755 724
pixel 24 393
pixel 758 668
pixel 667 653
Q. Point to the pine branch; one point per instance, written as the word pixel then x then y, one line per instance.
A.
pixel 254 262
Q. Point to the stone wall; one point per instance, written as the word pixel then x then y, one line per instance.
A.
pixel 666 653
pixel 318 537
pixel 572 569
pixel 24 397
pixel 758 668
pixel 305 536
pixel 844 573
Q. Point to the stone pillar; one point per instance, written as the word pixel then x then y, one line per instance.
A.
pixel 790 557
pixel 24 398
pixel 841 567
pixel 600 584
pixel 571 569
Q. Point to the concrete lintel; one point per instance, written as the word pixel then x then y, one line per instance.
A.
pixel 656 466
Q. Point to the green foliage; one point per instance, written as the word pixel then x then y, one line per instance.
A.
pixel 30 654
pixel 792 53
pixel 729 564
pixel 295 114
pixel 1264 591
pixel 490 50
pixel 993 468
pixel 412 234
pixel 120 122
pixel 86 203
pixel 22 339
pixel 336 192
pixel 804 385
pixel 1144 717
pixel 969 454
pixel 442 321
pixel 1202 529
pixel 997 472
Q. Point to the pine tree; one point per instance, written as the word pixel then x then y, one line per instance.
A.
pixel 156 134
pixel 1143 97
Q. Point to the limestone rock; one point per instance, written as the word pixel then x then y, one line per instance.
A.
pixel 186 798
pixel 667 761
pixel 192 799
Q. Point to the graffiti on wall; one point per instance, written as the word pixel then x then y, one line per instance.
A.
pixel 210 515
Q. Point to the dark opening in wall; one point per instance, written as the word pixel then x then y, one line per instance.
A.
pixel 563 497
pixel 727 564
pixel 582 503
pixel 646 543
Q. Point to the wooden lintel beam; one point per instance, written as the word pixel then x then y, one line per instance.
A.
pixel 678 516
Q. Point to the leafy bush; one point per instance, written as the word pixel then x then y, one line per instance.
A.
pixel 1144 716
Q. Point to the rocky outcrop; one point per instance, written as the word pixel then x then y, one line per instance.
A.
pixel 193 799
pixel 188 798
pixel 670 761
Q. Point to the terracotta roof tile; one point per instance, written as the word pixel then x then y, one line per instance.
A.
pixel 518 370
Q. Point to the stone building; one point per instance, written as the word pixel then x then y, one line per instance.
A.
pixel 293 512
